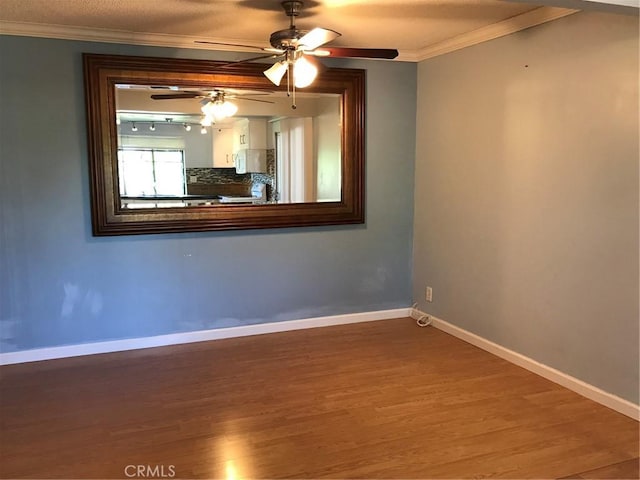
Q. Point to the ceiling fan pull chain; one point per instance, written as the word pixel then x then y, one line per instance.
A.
pixel 293 75
pixel 293 104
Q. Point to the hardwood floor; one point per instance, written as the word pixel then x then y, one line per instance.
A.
pixel 372 400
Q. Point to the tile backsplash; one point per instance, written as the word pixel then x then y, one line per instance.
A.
pixel 217 176
pixel 268 178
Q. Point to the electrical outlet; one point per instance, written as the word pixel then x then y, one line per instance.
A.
pixel 429 294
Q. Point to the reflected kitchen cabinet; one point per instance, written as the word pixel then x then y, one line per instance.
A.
pixel 251 161
pixel 223 156
pixel 249 134
pixel 250 145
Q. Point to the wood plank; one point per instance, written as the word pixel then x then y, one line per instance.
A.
pixel 627 469
pixel 369 400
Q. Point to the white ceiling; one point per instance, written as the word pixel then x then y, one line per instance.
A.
pixel 417 28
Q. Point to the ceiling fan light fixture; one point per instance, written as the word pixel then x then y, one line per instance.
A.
pixel 276 72
pixel 304 72
pixel 219 109
pixel 224 109
pixel 207 107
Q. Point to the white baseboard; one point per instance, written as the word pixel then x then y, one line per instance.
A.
pixel 589 391
pixel 51 353
pixel 585 389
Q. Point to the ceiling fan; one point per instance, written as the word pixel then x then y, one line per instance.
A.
pixel 215 103
pixel 293 46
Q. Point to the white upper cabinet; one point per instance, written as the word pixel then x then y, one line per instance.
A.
pixel 223 156
pixel 249 134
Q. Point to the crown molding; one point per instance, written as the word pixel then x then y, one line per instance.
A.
pixel 69 32
pixel 500 29
pixel 65 32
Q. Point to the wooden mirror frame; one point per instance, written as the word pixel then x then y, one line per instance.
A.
pixel 103 72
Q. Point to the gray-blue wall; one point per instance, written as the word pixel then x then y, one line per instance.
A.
pixel 62 286
pixel 526 199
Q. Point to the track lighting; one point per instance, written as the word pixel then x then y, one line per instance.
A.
pixel 206 121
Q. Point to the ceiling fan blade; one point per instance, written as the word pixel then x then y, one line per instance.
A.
pixel 170 96
pixel 385 53
pixel 231 64
pixel 250 94
pixel 317 37
pixel 255 100
pixel 229 44
pixel 236 92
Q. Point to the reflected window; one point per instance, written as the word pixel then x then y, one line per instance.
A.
pixel 151 172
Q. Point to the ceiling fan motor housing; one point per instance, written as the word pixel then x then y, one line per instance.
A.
pixel 286 39
pixel 292 7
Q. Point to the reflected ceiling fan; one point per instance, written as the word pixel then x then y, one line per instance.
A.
pixel 215 103
pixel 293 46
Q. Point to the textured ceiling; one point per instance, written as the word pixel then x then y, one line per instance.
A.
pixel 408 25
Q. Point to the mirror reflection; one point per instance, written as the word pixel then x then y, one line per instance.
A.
pixel 203 146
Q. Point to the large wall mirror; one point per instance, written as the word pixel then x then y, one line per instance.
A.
pixel 181 145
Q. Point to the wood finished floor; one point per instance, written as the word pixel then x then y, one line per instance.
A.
pixel 372 400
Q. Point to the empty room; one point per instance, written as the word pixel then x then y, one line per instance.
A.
pixel 319 239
